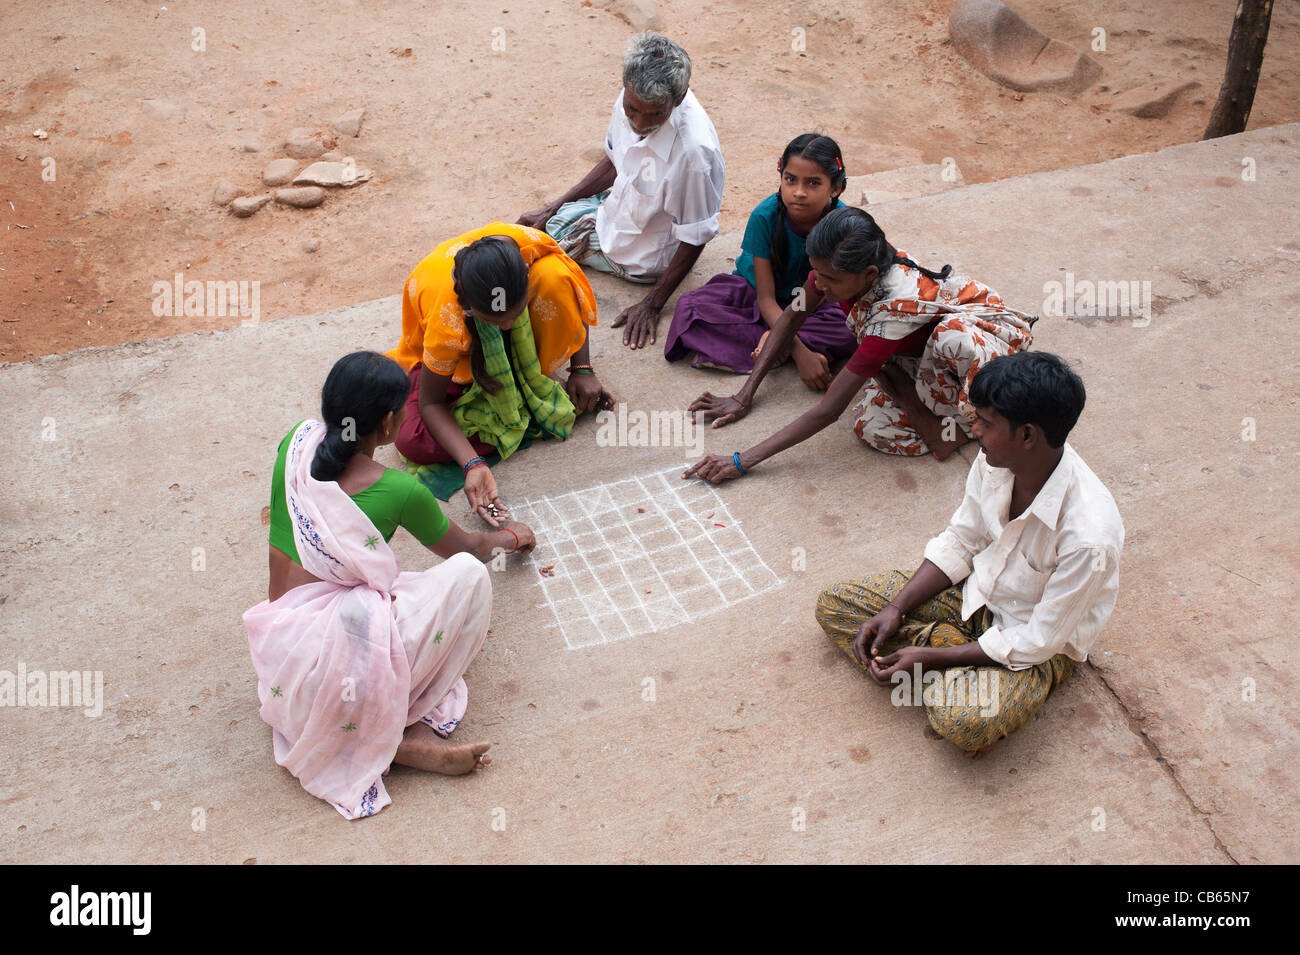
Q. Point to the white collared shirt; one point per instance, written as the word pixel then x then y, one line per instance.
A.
pixel 668 188
pixel 1050 577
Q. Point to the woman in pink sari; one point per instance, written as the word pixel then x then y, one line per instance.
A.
pixel 360 665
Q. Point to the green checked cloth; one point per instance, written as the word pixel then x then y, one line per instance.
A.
pixel 528 405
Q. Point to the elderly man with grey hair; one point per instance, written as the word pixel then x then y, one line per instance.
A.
pixel 651 204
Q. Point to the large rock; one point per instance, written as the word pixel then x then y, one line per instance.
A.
pixel 641 14
pixel 1151 100
pixel 905 183
pixel 225 191
pixel 245 206
pixel 332 174
pixel 349 124
pixel 280 172
pixel 301 197
pixel 999 43
pixel 307 143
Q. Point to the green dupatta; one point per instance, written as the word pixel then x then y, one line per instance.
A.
pixel 528 404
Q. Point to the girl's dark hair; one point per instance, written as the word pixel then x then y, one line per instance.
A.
pixel 851 241
pixel 825 153
pixel 359 391
pixel 489 276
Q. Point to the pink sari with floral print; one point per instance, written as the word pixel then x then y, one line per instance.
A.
pixel 346 664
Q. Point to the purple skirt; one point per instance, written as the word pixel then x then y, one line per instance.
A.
pixel 721 323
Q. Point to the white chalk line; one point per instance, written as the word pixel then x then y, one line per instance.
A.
pixel 663 499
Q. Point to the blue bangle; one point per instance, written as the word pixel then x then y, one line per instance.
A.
pixel 473 461
pixel 736 460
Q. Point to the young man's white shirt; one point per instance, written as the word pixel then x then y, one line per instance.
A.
pixel 668 188
pixel 1050 577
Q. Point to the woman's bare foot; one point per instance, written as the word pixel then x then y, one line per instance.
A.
pixel 422 748
pixel 925 422
pixel 943 450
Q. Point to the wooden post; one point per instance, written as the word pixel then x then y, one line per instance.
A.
pixel 1245 55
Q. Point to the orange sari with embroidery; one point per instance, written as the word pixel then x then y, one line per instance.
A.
pixel 560 305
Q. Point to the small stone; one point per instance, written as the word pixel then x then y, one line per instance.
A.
pixel 332 174
pixel 280 172
pixel 245 206
pixel 303 197
pixel 349 124
pixel 160 109
pixel 250 147
pixel 332 156
pixel 641 14
pixel 22 157
pixel 1151 100
pixel 225 191
pixel 41 134
pixel 311 245
pixel 307 143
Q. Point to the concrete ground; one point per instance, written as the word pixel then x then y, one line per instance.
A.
pixel 1173 744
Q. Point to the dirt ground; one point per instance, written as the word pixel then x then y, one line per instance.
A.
pixel 474 118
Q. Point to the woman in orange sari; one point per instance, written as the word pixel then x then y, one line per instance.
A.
pixel 480 378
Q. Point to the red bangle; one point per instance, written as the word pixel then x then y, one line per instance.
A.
pixel 479 463
pixel 515 536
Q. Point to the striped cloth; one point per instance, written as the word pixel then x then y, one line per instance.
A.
pixel 528 405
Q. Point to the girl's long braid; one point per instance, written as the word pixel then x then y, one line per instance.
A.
pixel 852 241
pixel 939 276
pixel 777 258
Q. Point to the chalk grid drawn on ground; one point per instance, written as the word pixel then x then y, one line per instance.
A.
pixel 684 548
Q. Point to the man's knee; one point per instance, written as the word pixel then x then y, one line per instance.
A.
pixel 970 713
pixel 964 726
pixel 829 604
pixel 859 598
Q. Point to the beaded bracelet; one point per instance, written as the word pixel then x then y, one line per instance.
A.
pixel 474 462
pixel 581 370
pixel 736 459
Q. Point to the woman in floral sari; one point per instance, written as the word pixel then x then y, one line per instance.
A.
pixel 922 337
pixel 360 665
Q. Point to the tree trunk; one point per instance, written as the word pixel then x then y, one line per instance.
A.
pixel 1245 55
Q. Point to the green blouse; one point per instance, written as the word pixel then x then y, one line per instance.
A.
pixel 396 500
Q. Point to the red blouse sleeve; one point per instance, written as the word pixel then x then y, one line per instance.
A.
pixel 873 352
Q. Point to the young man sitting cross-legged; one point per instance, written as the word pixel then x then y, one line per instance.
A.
pixel 1018 587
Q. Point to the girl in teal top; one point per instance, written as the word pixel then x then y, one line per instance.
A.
pixel 725 320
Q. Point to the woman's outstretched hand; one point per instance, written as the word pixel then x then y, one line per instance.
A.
pixel 527 540
pixel 481 492
pixel 723 410
pixel 714 468
pixel 588 394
